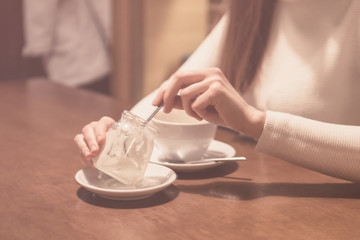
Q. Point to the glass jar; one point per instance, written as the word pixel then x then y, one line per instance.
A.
pixel 127 149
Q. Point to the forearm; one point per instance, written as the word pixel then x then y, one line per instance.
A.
pixel 327 148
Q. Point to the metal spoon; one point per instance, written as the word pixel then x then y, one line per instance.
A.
pixel 143 124
pixel 208 160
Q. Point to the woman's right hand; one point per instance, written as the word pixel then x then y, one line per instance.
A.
pixel 207 94
pixel 92 136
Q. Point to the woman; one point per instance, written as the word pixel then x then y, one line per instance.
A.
pixel 286 73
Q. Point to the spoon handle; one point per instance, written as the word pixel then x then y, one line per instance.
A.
pixel 143 124
pixel 217 160
pixel 152 114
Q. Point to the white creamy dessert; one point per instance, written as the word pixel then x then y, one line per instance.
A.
pixel 127 150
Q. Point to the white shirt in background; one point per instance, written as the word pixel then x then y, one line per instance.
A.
pixel 72 37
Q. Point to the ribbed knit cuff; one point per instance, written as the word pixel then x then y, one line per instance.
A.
pixel 267 140
pixel 331 149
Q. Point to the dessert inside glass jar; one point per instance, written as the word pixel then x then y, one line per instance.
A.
pixel 127 149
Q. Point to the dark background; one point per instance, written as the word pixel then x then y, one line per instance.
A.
pixel 12 65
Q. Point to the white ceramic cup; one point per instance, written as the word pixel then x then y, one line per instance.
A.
pixel 182 137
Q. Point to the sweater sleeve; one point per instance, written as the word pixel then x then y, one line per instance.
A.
pixel 330 149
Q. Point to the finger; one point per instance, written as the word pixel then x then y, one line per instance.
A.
pixel 205 107
pixel 90 138
pixel 84 149
pixel 159 97
pixel 190 94
pixel 177 82
pixel 160 93
pixel 88 162
pixel 101 127
pixel 178 103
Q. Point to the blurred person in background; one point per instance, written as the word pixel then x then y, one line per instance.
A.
pixel 284 72
pixel 73 38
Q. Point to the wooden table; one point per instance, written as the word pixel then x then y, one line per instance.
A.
pixel 261 198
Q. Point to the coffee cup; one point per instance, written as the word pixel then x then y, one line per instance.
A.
pixel 182 137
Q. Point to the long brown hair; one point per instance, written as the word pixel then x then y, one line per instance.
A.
pixel 247 36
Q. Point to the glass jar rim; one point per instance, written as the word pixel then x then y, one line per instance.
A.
pixel 138 120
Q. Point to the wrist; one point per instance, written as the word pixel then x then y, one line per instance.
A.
pixel 256 123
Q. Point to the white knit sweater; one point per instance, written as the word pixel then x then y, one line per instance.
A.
pixel 312 69
pixel 309 84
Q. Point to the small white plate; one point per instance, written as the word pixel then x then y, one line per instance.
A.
pixel 216 149
pixel 156 178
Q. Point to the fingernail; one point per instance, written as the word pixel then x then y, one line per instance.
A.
pixel 87 154
pixel 98 138
pixel 166 110
pixel 93 148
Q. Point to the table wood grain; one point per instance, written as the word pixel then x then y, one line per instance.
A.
pixel 261 198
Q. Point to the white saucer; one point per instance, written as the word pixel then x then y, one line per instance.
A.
pixel 216 149
pixel 156 179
